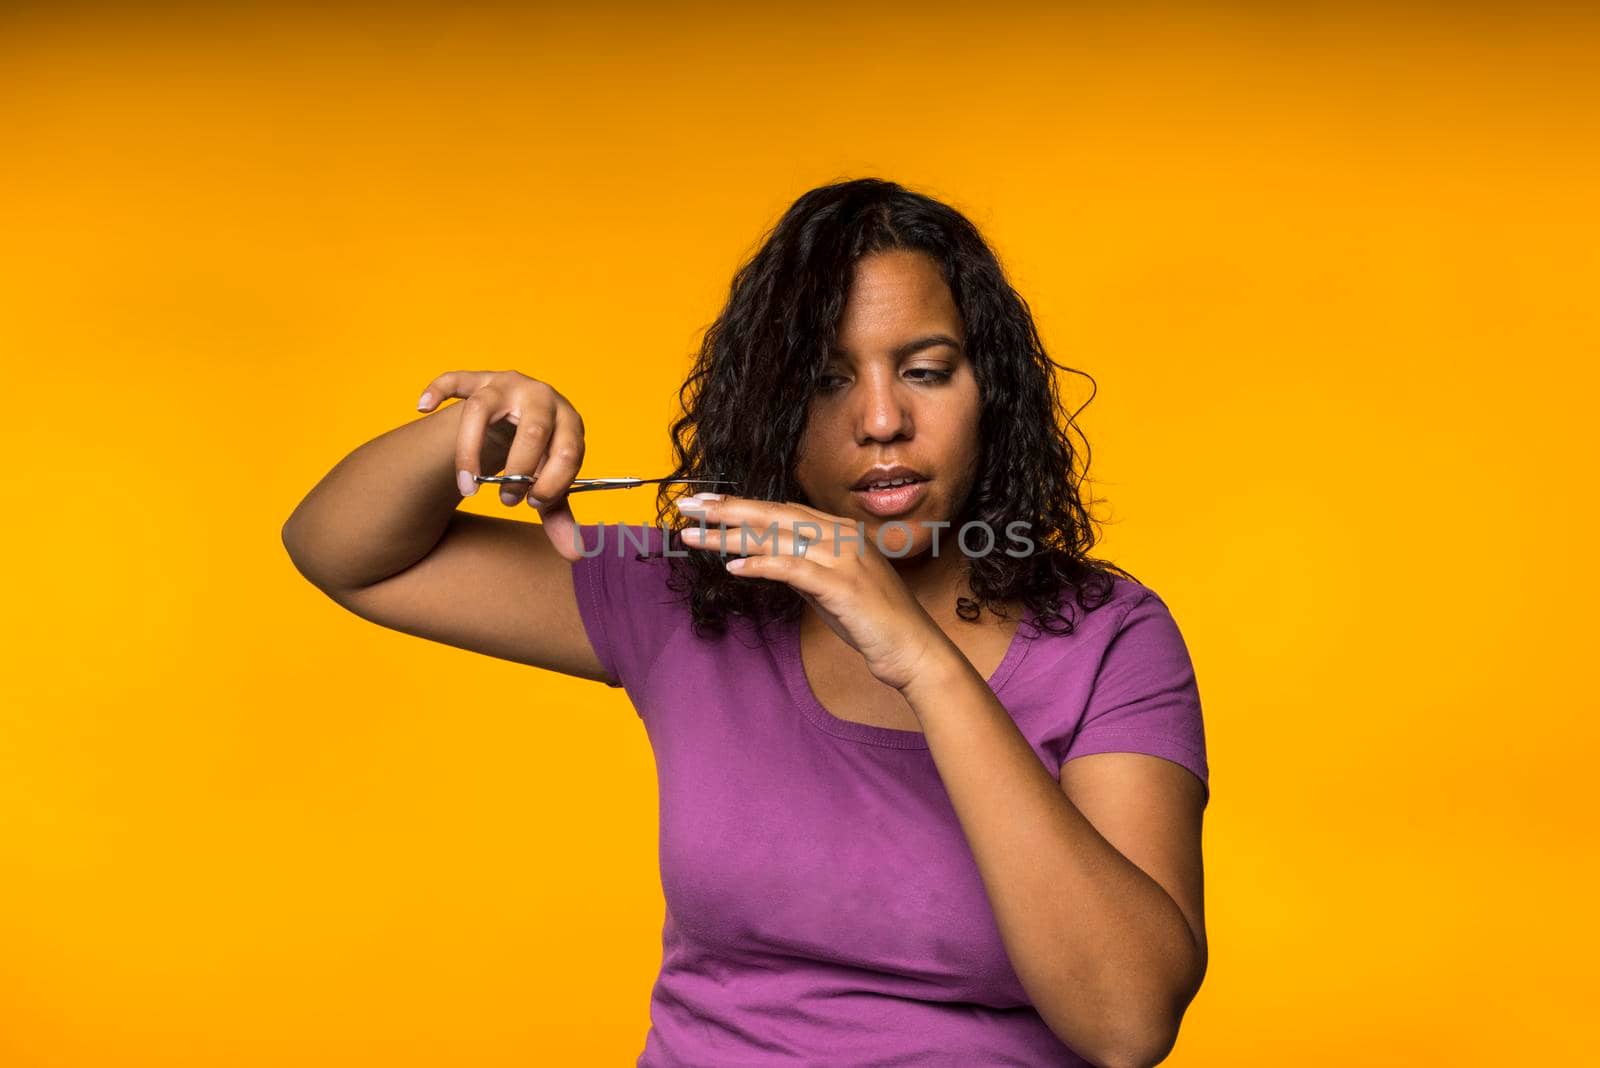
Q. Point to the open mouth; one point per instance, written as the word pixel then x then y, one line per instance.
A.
pixel 892 497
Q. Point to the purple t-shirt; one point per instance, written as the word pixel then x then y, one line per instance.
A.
pixel 822 903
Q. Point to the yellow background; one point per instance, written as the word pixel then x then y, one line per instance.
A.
pixel 1334 271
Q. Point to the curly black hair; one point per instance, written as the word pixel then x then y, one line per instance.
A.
pixel 745 403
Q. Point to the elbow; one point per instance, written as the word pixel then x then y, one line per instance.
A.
pixel 1154 1032
pixel 1145 1051
pixel 293 537
pixel 1132 1022
pixel 286 535
pixel 302 556
pixel 1147 1055
pixel 292 545
pixel 1138 1044
pixel 1143 1035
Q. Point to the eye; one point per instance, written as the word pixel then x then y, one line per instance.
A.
pixel 925 375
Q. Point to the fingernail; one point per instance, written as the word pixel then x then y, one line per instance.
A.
pixel 534 502
pixel 689 504
pixel 508 496
pixel 427 399
pixel 465 483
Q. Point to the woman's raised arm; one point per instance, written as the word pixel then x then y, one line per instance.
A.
pixel 381 534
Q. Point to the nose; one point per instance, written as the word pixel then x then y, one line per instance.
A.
pixel 883 409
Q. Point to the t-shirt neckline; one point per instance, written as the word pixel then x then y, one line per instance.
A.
pixel 800 691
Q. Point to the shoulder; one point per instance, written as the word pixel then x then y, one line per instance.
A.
pixel 1098 614
pixel 1121 681
pixel 1119 628
pixel 1138 621
pixel 1135 600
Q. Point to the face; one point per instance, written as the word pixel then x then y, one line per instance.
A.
pixel 897 390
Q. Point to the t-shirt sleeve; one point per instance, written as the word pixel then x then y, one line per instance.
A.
pixel 1145 698
pixel 626 607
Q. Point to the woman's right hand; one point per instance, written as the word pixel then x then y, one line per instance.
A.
pixel 539 431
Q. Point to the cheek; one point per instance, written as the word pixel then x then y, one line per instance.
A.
pixel 813 456
pixel 957 430
pixel 964 448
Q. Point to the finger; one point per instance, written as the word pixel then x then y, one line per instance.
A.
pixel 451 384
pixel 736 507
pixel 477 412
pixel 535 422
pixel 561 526
pixel 804 576
pixel 563 456
pixel 734 511
pixel 749 540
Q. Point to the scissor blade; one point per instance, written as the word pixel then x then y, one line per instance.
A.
pixel 584 484
pixel 629 483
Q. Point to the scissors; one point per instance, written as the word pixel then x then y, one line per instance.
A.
pixel 579 485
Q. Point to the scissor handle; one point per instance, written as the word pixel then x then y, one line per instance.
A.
pixel 502 478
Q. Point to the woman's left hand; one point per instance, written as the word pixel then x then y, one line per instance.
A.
pixel 852 586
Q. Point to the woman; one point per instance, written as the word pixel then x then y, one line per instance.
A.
pixel 894 830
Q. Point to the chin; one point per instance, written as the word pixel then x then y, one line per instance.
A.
pixel 897 539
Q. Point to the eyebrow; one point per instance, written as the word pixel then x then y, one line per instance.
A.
pixel 911 348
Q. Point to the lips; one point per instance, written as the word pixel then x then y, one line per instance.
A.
pixel 897 500
pixel 887 473
pixel 885 501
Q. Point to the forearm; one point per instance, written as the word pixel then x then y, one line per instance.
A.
pixel 384 506
pixel 1104 952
